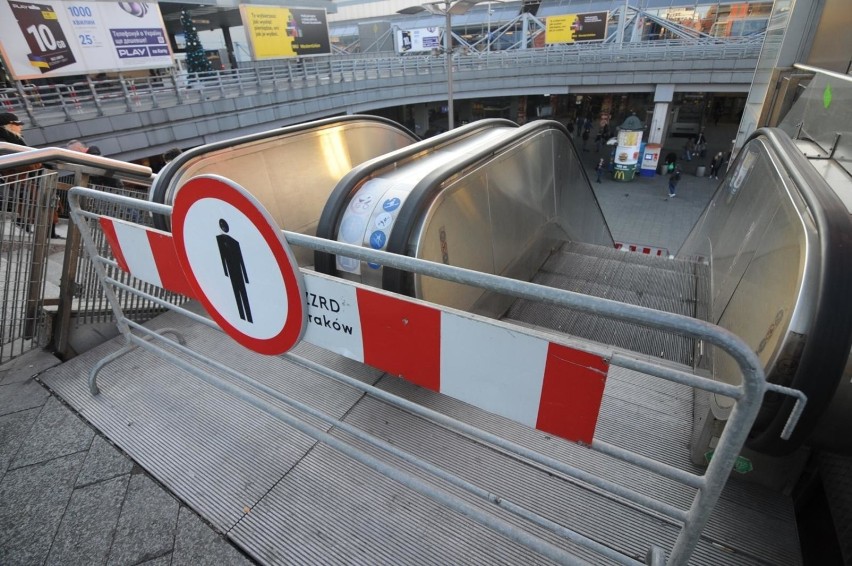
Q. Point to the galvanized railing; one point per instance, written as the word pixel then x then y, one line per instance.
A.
pixel 41 105
pixel 708 486
pixel 27 207
pixel 76 299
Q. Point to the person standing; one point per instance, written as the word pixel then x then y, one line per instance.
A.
pixel 600 169
pixel 688 149
pixel 674 179
pixel 701 144
pixel 715 165
pixel 20 179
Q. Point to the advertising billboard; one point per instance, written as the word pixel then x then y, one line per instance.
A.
pixel 45 39
pixel 275 33
pixel 571 28
pixel 420 39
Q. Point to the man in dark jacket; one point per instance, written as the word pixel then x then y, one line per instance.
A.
pixel 10 131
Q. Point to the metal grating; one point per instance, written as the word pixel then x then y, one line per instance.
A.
pixel 308 504
pixel 649 281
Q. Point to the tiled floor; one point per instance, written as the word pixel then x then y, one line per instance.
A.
pixel 69 497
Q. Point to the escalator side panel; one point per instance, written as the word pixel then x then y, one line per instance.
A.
pixel 776 240
pixel 529 186
pixel 375 170
pixel 291 171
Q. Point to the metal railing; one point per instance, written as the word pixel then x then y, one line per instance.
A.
pixel 47 104
pixel 708 486
pixel 29 202
pixel 27 207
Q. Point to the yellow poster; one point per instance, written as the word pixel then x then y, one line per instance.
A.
pixel 571 28
pixel 266 27
pixel 560 29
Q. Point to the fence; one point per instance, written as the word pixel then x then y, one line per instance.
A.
pixel 175 261
pixel 67 294
pixel 50 104
pixel 27 207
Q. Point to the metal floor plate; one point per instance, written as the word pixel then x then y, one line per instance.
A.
pixel 286 499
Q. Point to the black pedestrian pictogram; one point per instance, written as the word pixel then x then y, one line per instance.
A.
pixel 235 269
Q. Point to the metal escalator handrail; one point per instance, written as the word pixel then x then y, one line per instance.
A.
pixel 20 155
pixel 427 188
pixel 825 72
pixel 339 198
pixel 827 345
pixel 162 185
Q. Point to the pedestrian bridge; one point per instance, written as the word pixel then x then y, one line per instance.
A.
pixel 138 117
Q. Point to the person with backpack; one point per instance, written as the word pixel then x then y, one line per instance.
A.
pixel 674 179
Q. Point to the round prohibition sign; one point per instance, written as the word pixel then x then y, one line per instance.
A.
pixel 239 264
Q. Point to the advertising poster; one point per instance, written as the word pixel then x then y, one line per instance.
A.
pixel 45 39
pixel 571 28
pixel 420 39
pixel 276 33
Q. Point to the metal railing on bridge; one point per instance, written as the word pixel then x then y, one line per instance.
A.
pixel 43 105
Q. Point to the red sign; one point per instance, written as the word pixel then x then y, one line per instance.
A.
pixel 239 264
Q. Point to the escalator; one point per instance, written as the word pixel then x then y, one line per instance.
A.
pixel 767 260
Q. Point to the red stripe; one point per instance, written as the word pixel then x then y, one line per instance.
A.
pixel 571 393
pixel 112 238
pixel 168 266
pixel 401 338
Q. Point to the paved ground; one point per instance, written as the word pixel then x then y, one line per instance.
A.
pixel 69 497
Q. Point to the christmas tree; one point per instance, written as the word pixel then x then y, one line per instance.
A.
pixel 196 60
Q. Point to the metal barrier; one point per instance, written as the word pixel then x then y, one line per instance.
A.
pixel 27 206
pixel 80 300
pixel 172 261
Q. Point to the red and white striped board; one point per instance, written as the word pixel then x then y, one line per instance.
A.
pixel 503 369
pixel 638 248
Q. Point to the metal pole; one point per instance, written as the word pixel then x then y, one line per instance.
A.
pixel 448 47
pixel 488 32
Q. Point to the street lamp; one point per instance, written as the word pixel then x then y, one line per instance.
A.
pixel 446 8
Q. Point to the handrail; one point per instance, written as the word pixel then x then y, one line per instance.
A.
pixel 338 200
pixel 22 155
pixel 79 100
pixel 425 191
pixel 164 182
pixel 820 71
pixel 825 353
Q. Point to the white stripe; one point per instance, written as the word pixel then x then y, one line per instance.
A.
pixel 332 310
pixel 494 368
pixel 136 248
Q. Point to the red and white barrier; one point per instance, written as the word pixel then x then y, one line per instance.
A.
pixel 503 369
pixel 638 248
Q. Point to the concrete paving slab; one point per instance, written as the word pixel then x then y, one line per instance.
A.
pixel 104 461
pixel 196 543
pixel 34 500
pixel 20 369
pixel 21 396
pixel 86 532
pixel 56 432
pixel 14 428
pixel 146 525
pixel 165 560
